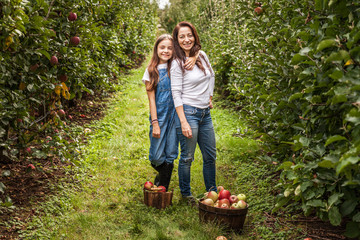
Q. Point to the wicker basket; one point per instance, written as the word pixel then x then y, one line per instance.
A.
pixel 231 218
pixel 159 200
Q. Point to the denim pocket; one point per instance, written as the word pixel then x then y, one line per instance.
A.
pixel 189 110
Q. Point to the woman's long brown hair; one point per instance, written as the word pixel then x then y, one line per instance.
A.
pixel 154 62
pixel 179 52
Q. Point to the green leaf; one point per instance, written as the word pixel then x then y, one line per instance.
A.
pixel 338 99
pixel 326 44
pixel 352 230
pixel 297 58
pixel 348 206
pixel 334 216
pixel 295 96
pixel 334 198
pixel 338 56
pixel 326 164
pixel 45 53
pixel 336 75
pixel 356 217
pixel 334 138
pixel 346 162
pixel 315 203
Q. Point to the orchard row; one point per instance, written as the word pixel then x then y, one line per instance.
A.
pixel 291 68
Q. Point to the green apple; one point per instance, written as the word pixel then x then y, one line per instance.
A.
pixel 241 196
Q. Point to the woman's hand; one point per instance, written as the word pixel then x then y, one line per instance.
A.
pixel 211 106
pixel 156 130
pixel 190 63
pixel 186 130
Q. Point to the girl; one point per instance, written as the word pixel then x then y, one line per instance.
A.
pixel 163 138
pixel 192 93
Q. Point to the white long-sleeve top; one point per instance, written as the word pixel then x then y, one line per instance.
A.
pixel 192 87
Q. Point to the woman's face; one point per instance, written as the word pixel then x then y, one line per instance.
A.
pixel 186 39
pixel 165 50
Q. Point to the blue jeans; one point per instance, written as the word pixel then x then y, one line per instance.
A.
pixel 203 133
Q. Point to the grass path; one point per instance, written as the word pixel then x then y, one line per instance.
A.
pixel 108 200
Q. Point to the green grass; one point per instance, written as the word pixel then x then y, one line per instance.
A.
pixel 107 201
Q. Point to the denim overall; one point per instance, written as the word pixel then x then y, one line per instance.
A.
pixel 164 148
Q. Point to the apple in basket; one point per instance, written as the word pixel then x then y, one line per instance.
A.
pixel 212 195
pixel 148 185
pixel 224 201
pixel 224 194
pixel 241 204
pixel 233 199
pixel 208 201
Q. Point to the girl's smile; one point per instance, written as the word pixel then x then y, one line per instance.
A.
pixel 165 50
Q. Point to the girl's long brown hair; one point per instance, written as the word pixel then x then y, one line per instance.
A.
pixel 154 62
pixel 179 52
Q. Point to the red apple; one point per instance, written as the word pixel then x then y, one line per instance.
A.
pixel 258 10
pixel 28 150
pixel 224 205
pixel 220 188
pixel 212 195
pixel 233 199
pixel 34 67
pixel 241 204
pixel 75 40
pixel 224 201
pixel 148 185
pixel 224 194
pixel 61 112
pixel 72 16
pixel 54 60
pixel 163 189
pixel 208 202
pixel 216 204
pixel 19 120
pixel 31 166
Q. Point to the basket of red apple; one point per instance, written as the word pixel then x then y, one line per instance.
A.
pixel 156 196
pixel 225 208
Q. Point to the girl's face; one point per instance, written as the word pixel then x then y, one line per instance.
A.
pixel 165 50
pixel 186 39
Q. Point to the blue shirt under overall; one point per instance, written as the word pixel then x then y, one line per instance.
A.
pixel 164 148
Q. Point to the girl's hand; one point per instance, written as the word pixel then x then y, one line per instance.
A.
pixel 156 130
pixel 190 63
pixel 186 130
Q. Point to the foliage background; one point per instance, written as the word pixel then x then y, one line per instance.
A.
pixel 293 72
pixel 35 94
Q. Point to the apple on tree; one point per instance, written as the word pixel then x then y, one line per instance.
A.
pixel 72 16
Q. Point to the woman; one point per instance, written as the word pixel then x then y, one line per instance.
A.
pixel 163 138
pixel 192 92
